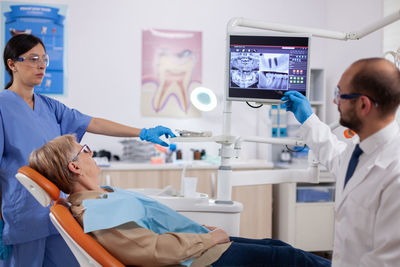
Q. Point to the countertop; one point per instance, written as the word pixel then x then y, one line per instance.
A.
pixel 324 176
pixel 251 164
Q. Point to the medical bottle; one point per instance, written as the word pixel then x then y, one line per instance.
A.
pixel 203 154
pixel 179 154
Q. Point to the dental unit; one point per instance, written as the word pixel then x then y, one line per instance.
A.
pixel 243 74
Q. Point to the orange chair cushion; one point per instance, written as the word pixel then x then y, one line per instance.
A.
pixel 68 222
pixel 85 241
pixel 43 182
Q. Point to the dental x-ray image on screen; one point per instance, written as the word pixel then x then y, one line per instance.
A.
pixel 262 68
pixel 244 69
pixel 274 71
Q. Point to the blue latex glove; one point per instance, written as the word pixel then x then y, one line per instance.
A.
pixel 153 134
pixel 298 104
pixel 5 251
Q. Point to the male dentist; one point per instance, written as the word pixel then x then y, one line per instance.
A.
pixel 367 209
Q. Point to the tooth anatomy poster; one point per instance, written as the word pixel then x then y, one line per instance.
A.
pixel 171 69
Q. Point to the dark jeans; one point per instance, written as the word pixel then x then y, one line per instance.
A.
pixel 267 252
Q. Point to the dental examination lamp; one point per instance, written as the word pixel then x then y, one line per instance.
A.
pixel 203 99
pixel 261 67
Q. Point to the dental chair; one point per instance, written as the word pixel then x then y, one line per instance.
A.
pixel 86 250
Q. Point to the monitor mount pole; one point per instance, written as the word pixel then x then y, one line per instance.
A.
pixel 355 35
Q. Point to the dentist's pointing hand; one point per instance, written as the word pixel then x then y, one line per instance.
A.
pixel 298 104
pixel 153 134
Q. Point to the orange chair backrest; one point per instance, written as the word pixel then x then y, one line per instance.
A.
pixel 42 181
pixel 68 222
pixel 85 241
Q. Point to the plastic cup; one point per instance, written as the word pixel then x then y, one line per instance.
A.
pixel 190 184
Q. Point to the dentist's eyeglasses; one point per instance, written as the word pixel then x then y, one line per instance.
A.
pixel 338 96
pixel 35 60
pixel 84 149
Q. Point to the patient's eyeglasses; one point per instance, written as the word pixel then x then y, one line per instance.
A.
pixel 84 149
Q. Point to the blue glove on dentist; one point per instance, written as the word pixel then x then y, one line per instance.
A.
pixel 153 134
pixel 298 104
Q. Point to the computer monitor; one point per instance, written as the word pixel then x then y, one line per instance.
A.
pixel 261 68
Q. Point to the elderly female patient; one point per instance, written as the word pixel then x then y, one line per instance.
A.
pixel 143 232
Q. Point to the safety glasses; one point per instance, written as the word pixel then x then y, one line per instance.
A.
pixel 338 96
pixel 35 60
pixel 84 149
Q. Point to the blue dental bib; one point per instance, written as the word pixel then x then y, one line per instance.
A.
pixel 122 206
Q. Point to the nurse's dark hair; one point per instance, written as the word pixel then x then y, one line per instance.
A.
pixel 15 47
pixel 378 79
pixel 52 159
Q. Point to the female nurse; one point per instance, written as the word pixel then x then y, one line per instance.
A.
pixel 27 121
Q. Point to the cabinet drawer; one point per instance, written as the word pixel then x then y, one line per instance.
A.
pixel 314 229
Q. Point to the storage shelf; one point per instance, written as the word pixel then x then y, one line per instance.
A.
pixel 305 225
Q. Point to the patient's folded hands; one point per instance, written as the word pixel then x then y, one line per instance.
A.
pixel 219 236
pixel 210 227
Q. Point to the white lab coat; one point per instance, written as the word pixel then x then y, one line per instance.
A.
pixel 367 219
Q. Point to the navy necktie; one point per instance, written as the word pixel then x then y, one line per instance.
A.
pixel 352 164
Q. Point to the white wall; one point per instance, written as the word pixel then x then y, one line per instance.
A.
pixel 104 54
pixel 349 16
pixel 391 34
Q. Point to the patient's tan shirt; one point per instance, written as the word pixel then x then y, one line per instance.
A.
pixel 135 245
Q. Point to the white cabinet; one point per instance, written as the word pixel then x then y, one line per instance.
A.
pixel 317 92
pixel 305 225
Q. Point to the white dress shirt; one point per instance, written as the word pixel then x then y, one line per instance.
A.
pixel 367 210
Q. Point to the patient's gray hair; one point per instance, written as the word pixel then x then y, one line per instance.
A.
pixel 52 159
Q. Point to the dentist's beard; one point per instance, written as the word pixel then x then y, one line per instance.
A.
pixel 352 121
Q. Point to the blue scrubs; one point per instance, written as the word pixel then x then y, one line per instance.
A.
pixel 23 130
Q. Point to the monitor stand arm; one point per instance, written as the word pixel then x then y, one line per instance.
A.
pixel 355 35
